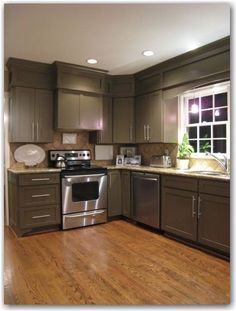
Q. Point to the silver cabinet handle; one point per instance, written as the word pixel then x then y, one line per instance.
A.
pixel 39 179
pixel 37 130
pixel 41 216
pixel 40 195
pixel 193 206
pixel 199 207
pixel 148 132
pixel 32 130
pixel 130 133
pixel 144 132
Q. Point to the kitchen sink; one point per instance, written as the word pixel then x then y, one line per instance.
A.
pixel 211 173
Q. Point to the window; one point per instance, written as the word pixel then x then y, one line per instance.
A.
pixel 205 116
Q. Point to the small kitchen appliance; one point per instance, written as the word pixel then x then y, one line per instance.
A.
pixel 161 161
pixel 83 188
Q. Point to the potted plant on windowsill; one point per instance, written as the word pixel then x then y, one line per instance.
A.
pixel 184 152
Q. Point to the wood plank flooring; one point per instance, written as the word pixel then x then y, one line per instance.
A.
pixel 113 263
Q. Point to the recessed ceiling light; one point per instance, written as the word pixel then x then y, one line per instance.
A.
pixel 148 53
pixel 92 61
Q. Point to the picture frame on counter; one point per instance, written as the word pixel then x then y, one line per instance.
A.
pixel 120 160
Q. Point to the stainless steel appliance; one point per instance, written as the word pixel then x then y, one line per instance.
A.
pixel 83 189
pixel 160 161
pixel 146 198
pixel 60 162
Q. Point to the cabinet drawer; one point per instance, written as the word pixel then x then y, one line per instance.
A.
pixel 184 183
pixel 39 195
pixel 39 216
pixel 215 187
pixel 84 219
pixel 39 179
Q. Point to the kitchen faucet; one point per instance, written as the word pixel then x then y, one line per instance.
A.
pixel 223 163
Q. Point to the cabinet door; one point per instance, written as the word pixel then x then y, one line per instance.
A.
pixel 179 215
pixel 68 110
pixel 154 117
pixel 106 132
pixel 123 120
pixel 214 221
pixel 44 115
pixel 114 193
pixel 141 103
pixel 148 118
pixel 21 115
pixel 125 193
pixel 90 112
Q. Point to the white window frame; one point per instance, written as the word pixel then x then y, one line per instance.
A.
pixel 223 87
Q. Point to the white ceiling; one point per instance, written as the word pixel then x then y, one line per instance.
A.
pixel 115 34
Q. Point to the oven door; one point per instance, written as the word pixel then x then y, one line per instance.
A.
pixel 83 193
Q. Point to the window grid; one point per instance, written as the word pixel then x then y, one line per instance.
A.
pixel 223 137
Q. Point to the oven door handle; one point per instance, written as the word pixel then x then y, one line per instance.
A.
pixel 86 214
pixel 82 176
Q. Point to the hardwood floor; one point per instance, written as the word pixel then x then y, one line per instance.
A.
pixel 113 263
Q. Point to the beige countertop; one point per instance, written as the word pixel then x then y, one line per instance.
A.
pixel 169 171
pixel 34 170
pixel 142 168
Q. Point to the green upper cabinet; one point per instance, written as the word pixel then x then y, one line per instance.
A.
pixel 91 112
pixel 148 118
pixel 31 101
pixel 31 115
pixel 123 120
pixel 80 78
pixel 77 111
pixel 104 136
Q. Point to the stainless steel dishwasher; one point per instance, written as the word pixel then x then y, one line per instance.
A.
pixel 146 199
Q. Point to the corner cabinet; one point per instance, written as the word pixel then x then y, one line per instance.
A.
pixel 104 136
pixel 197 210
pixel 75 111
pixel 31 115
pixel 123 120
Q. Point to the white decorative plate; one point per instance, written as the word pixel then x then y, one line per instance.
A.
pixel 29 154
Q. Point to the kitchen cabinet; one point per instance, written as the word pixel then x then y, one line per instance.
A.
pixel 148 118
pixel 104 136
pixel 31 115
pixel 80 78
pixel 197 69
pixel 123 120
pixel 197 210
pixel 122 86
pixel 78 111
pixel 114 193
pixel 214 215
pixel 34 202
pixel 125 193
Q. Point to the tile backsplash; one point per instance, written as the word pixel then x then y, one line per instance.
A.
pixel 82 143
pixel 145 150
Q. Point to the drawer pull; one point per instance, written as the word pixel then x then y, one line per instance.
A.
pixel 40 195
pixel 41 216
pixel 40 179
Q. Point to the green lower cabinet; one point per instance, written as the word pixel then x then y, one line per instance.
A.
pixel 200 216
pixel 119 193
pixel 125 193
pixel 114 193
pixel 214 222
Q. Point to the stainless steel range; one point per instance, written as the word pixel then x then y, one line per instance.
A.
pixel 83 188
